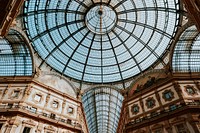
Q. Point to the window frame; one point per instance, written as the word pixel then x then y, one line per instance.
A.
pixel 135 109
pixel 26 131
pixel 152 101
pixel 70 112
pixel 189 87
pixel 10 105
pixel 53 116
pixel 34 110
pixel 168 95
pixel 55 103
pixel 15 93
pixel 36 98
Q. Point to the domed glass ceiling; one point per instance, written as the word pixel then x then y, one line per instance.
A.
pixel 101 41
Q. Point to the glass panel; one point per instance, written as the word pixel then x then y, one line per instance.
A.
pixel 187 52
pixel 101 41
pixel 102 114
pixel 15 57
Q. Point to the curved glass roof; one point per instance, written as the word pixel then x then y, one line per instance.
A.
pixel 101 41
pixel 102 107
pixel 186 57
pixel 15 58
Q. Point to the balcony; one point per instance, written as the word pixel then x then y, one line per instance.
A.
pixel 164 114
pixel 32 112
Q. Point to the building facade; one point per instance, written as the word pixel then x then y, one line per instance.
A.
pixel 162 105
pixel 99 66
pixel 32 106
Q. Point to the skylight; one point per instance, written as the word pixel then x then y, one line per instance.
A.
pixel 187 51
pixel 15 57
pixel 101 41
pixel 102 107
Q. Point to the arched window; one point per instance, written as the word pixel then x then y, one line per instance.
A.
pixel 186 56
pixel 15 57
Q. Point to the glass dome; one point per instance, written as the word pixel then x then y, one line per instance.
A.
pixel 101 41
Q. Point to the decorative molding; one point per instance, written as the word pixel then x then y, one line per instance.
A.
pixel 28 90
pixel 52 90
pixel 153 103
pixel 47 98
pixel 135 109
pixel 10 95
pixel 29 123
pixel 4 93
pixel 177 87
pixel 55 101
pixel 142 104
pixel 158 98
pixel 40 94
pixel 192 90
pixel 73 110
pixel 157 126
pixel 50 128
pixel 178 120
pixel 1 92
pixel 40 127
pixel 64 104
pixel 42 73
pixel 171 96
pixel 183 126
pixel 3 118
pixel 14 121
pixel 140 131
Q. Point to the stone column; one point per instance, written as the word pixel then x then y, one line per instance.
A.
pixel 13 124
pixel 39 127
pixel 159 101
pixel 63 107
pixel 178 89
pixel 158 98
pixel 13 129
pixel 8 129
pixel 142 105
pixel 27 92
pixel 5 91
pixel 47 100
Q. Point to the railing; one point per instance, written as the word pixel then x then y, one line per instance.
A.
pixel 162 113
pixel 10 107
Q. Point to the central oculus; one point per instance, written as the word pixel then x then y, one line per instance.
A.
pixel 101 19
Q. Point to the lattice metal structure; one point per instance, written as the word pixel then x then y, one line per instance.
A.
pixel 101 41
pixel 102 107
pixel 15 57
pixel 186 56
